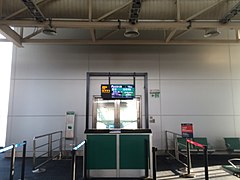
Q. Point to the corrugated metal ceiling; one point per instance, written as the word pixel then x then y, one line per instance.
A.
pixel 170 19
pixel 150 10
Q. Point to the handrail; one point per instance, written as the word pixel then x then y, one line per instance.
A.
pixel 174 133
pixel 36 137
pixel 13 147
pixel 50 149
pixel 175 144
pixel 74 163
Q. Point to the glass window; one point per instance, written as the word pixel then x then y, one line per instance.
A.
pixel 124 114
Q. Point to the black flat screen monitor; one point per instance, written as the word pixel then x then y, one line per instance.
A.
pixel 117 91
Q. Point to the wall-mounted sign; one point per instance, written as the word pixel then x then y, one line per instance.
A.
pixel 187 130
pixel 155 93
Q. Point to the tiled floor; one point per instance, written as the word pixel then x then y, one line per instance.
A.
pixel 167 169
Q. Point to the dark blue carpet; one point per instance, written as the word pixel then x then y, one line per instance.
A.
pixel 61 169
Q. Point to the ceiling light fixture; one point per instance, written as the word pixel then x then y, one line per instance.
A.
pixel 131 32
pixel 49 30
pixel 211 32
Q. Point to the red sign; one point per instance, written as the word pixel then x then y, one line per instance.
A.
pixel 187 130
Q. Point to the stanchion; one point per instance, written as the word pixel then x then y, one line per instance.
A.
pixel 12 162
pixel 205 149
pixel 73 174
pixel 23 160
pixel 206 162
pixel 146 158
pixel 189 164
pixel 85 175
pixel 154 163
pixel 74 161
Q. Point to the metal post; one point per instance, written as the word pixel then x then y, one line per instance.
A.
pixel 146 100
pixel 73 174
pixel 146 157
pixel 60 145
pixel 175 146
pixel 50 145
pixel 23 160
pixel 189 164
pixel 85 161
pixel 34 153
pixel 166 139
pixel 206 162
pixel 12 162
pixel 87 99
pixel 188 158
pixel 154 163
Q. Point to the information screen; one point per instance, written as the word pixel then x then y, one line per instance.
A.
pixel 117 91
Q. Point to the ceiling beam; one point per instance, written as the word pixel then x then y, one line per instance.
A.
pixel 115 25
pixel 21 31
pixel 23 9
pixel 1 8
pixel 178 10
pixel 237 34
pixel 126 42
pixel 107 35
pixel 89 10
pixel 204 10
pixel 113 11
pixel 11 35
pixel 181 34
pixel 171 34
pixel 93 34
pixel 92 31
pixel 33 34
pixel 4 40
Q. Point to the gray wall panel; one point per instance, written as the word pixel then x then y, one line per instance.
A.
pixel 235 63
pixel 44 97
pixel 52 62
pixel 236 96
pixel 125 59
pixel 155 127
pixel 201 97
pixel 237 125
pixel 26 128
pixel 195 62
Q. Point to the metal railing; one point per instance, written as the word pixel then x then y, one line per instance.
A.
pixel 171 141
pixel 48 151
pixel 74 160
pixel 13 148
pixel 187 155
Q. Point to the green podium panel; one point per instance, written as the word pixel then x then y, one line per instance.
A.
pixel 134 151
pixel 101 152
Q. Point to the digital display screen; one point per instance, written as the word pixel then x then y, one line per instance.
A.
pixel 117 91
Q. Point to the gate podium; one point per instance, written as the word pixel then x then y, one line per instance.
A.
pixel 118 153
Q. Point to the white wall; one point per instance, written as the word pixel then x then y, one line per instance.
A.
pixel 198 84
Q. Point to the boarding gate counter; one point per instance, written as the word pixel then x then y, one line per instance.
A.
pixel 118 147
